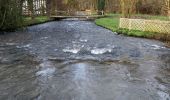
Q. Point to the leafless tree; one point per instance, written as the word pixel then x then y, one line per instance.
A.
pixel 128 7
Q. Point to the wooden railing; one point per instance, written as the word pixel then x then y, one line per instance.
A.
pixel 76 13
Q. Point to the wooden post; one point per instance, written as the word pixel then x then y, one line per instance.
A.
pixel 169 14
pixel 169 8
pixel 102 12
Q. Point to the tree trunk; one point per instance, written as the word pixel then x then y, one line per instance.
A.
pixel 31 8
pixel 128 7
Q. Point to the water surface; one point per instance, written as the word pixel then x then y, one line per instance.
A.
pixel 77 60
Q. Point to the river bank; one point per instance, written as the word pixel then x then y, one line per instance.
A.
pixel 112 23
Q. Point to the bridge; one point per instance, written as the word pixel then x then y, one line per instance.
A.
pixel 87 14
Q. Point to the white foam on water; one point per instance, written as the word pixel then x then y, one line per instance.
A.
pixel 101 51
pixel 25 46
pixel 10 43
pixel 162 87
pixel 19 47
pixel 74 50
pixel 74 42
pixel 44 38
pixel 46 69
pixel 46 72
pixel 83 40
pixel 157 47
pixel 82 46
pixel 163 95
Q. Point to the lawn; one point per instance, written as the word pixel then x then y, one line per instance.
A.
pixel 112 23
pixel 37 20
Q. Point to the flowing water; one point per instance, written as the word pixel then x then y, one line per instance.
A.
pixel 77 60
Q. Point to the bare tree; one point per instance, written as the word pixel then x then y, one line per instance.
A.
pixel 128 7
pixel 167 7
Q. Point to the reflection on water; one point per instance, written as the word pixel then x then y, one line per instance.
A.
pixel 80 72
pixel 46 69
pixel 80 80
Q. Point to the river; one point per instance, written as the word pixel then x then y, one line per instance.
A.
pixel 77 60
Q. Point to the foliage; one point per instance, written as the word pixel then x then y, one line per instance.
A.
pixel 10 15
pixel 101 5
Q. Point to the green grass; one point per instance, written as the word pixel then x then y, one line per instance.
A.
pixel 113 15
pixel 112 23
pixel 109 23
pixel 37 20
pixel 135 33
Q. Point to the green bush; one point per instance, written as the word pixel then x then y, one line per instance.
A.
pixel 10 15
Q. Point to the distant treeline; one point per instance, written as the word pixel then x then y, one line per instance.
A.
pixel 11 11
pixel 155 7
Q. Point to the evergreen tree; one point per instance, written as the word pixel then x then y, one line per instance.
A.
pixel 101 6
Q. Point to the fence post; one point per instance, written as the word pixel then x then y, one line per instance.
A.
pixel 120 23
pixel 144 25
pixel 130 24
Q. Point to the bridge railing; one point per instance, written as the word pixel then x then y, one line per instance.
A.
pixel 77 13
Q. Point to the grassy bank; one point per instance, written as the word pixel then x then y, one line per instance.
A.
pixel 37 20
pixel 112 23
pixel 26 21
pixel 109 23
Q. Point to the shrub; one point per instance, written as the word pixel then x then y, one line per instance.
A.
pixel 10 15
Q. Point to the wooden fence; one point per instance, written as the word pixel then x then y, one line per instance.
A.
pixel 145 25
